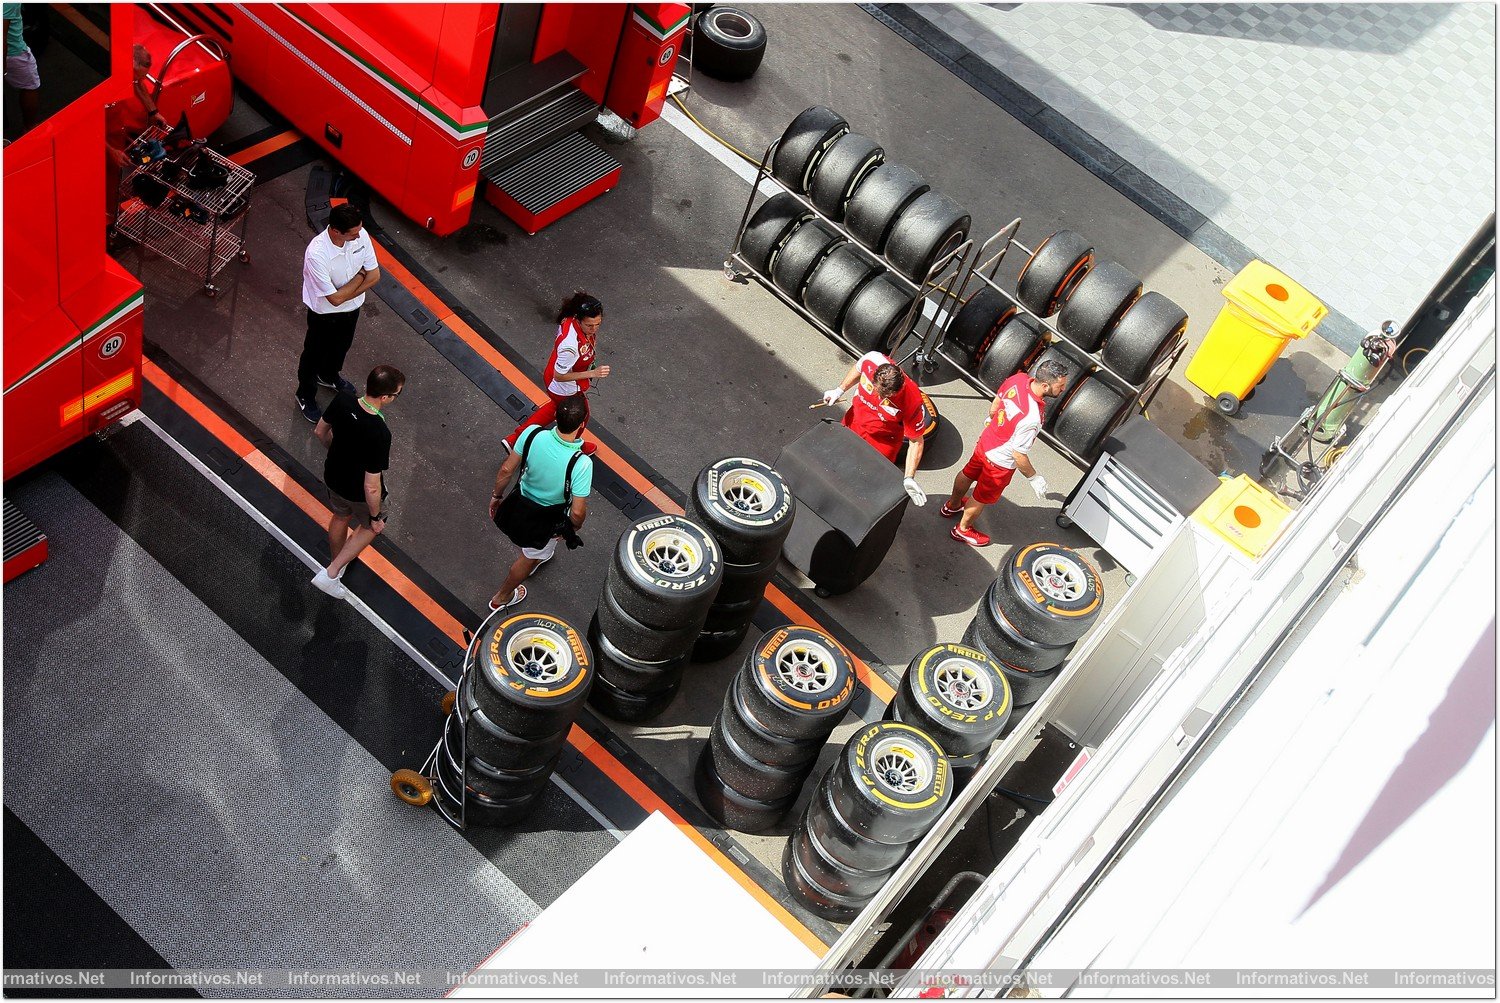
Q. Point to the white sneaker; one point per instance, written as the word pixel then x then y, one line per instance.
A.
pixel 329 586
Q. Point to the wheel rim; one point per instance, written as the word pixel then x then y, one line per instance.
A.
pixel 900 768
pixel 732 25
pixel 746 492
pixel 1060 579
pixel 539 655
pixel 805 667
pixel 671 552
pixel 962 684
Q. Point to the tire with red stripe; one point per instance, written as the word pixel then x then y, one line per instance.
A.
pixel 799 682
pixel 1052 272
pixel 1050 592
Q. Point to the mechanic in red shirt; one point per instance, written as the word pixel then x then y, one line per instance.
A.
pixel 886 408
pixel 570 368
pixel 1015 419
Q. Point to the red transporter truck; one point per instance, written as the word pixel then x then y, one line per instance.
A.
pixel 433 105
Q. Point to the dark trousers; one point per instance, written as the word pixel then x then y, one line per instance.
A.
pixel 327 341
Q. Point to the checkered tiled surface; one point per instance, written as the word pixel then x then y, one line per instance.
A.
pixel 1353 145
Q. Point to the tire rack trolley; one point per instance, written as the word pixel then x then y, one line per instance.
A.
pixel 426 785
pixel 981 272
pixel 194 229
pixel 945 270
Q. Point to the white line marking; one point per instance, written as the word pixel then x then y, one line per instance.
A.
pixel 290 545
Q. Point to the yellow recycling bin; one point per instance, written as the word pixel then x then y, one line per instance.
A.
pixel 1243 514
pixel 1265 310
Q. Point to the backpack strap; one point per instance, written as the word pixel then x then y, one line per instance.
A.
pixel 568 479
pixel 526 446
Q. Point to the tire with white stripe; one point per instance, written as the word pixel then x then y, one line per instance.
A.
pixel 665 572
pixel 747 507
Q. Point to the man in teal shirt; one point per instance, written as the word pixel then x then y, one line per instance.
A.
pixel 20 67
pixel 547 454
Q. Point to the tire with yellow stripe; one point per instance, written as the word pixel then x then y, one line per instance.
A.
pixel 798 682
pixel 532 672
pixel 891 782
pixel 958 694
pixel 1050 592
pixel 1027 684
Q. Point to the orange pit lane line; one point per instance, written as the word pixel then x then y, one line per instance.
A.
pixel 602 758
pixel 609 457
pixel 266 147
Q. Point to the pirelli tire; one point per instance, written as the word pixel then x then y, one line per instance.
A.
pixel 479 809
pixel 1101 299
pixel 532 672
pixel 1144 334
pixel 1092 411
pixel 876 314
pixel 1016 343
pixel 840 170
pixel 800 253
pixel 632 675
pixel 497 745
pixel 803 144
pixel 838 836
pixel 748 508
pixel 891 782
pixel 977 323
pixel 834 282
pixel 728 616
pixel 742 584
pixel 831 873
pixel 877 202
pixel 748 775
pixel 1051 593
pixel 799 682
pixel 631 708
pixel 730 808
pixel 1078 366
pixel 928 228
pixel 820 901
pixel 768 228
pixel 756 738
pixel 493 781
pixel 958 695
pixel 728 43
pixel 717 645
pixel 1003 640
pixel 665 572
pixel 635 641
pixel 1053 271
pixel 1026 684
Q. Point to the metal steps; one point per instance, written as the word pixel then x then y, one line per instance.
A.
pixel 25 544
pixel 511 141
pixel 554 174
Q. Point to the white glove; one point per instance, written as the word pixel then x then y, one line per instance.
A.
pixel 914 490
pixel 831 396
pixel 1039 485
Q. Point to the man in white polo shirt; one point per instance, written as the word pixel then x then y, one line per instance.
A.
pixel 338 268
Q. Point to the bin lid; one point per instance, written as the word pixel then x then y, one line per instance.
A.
pixel 1272 297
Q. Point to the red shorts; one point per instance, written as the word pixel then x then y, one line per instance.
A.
pixel 989 479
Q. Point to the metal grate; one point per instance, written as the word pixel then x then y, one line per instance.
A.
pixel 551 175
pixel 510 140
pixel 21 534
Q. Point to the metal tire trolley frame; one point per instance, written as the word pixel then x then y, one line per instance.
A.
pixel 981 269
pixel 931 289
pixel 203 246
pixel 426 785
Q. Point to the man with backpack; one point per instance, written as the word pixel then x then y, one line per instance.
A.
pixel 550 499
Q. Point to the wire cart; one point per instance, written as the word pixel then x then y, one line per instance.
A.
pixel 442 778
pixel 200 229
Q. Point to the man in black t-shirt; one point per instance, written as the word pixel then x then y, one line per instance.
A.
pixel 359 451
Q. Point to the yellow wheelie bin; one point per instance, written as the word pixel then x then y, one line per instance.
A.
pixel 1265 310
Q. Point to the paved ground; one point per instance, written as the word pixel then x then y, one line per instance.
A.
pixel 1352 145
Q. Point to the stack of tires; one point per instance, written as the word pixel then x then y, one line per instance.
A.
pixel 792 691
pixel 1044 600
pixel 748 508
pixel 525 682
pixel 959 696
pixel 888 787
pixel 1102 312
pixel 898 223
pixel 663 576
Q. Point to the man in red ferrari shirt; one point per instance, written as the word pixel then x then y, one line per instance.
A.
pixel 886 408
pixel 1015 419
